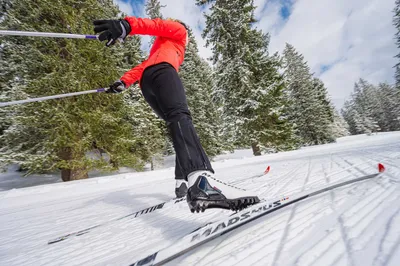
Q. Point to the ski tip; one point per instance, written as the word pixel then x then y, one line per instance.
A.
pixel 267 170
pixel 381 168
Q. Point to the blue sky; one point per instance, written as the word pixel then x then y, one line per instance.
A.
pixel 131 7
pixel 341 40
pixel 137 6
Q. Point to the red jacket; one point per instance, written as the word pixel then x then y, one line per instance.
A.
pixel 169 45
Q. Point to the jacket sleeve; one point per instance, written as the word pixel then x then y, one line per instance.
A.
pixel 133 75
pixel 157 27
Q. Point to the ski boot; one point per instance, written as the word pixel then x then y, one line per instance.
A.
pixel 206 192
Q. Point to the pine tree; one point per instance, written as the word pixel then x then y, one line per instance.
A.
pixel 4 7
pixel 372 108
pixel 339 127
pixel 143 119
pixel 310 108
pixel 324 112
pixel 227 29
pixel 8 86
pixel 389 107
pixel 247 81
pixel 394 114
pixel 366 111
pixel 353 118
pixel 196 76
pixel 267 126
pixel 365 100
pixel 59 134
pixel 153 10
pixel 396 23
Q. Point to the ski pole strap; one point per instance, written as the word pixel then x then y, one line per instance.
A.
pixel 47 34
pixel 51 97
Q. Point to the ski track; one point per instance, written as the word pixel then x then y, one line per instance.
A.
pixel 350 227
pixel 299 220
pixel 343 231
pixel 288 222
pixel 358 224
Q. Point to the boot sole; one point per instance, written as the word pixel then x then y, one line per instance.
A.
pixel 200 205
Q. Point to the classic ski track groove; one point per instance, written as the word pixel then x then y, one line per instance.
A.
pixel 255 263
pixel 288 178
pixel 336 242
pixel 121 243
pixel 372 196
pixel 388 226
pixel 251 229
pixel 337 214
pixel 339 218
pixel 321 181
pixel 266 236
pixel 275 181
pixel 232 234
pixel 362 171
pixel 272 221
pixel 289 220
pixel 378 192
pixel 316 245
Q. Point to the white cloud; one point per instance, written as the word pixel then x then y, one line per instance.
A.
pixel 268 16
pixel 190 14
pixel 341 40
pixel 134 8
pixel 352 39
pixel 184 10
pixel 124 7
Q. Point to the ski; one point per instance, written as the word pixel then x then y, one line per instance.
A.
pixel 132 215
pixel 135 214
pixel 218 228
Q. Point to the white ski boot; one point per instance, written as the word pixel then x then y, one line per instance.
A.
pixel 207 192
pixel 181 188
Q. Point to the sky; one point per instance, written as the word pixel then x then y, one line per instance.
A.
pixel 341 40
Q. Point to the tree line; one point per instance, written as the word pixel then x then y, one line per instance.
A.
pixel 244 98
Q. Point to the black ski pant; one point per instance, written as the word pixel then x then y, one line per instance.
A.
pixel 164 92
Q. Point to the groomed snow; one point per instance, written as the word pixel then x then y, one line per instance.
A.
pixel 358 224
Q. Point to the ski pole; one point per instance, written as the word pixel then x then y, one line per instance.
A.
pixel 51 97
pixel 47 34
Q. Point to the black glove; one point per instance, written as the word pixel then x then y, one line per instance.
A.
pixel 112 30
pixel 116 87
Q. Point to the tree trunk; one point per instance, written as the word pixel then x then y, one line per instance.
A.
pixel 256 149
pixel 71 174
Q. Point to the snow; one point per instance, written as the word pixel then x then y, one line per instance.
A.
pixel 358 224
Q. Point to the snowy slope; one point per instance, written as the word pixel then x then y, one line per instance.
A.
pixel 355 225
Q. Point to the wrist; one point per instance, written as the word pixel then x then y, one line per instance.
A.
pixel 127 26
pixel 126 85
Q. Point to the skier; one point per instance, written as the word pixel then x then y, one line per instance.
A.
pixel 164 92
